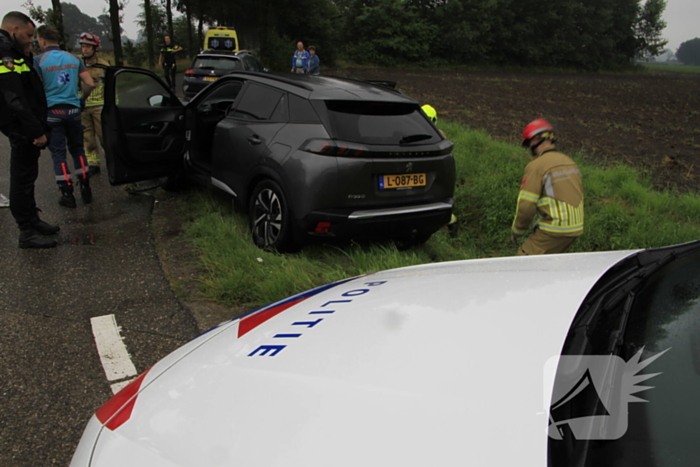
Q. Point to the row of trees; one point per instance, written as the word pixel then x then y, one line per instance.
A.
pixel 589 34
pixel 689 52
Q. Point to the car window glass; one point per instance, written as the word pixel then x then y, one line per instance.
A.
pixel 257 103
pixel 224 92
pixel 382 123
pixel 281 114
pixel 141 90
pixel 660 322
pixel 224 64
pixel 301 110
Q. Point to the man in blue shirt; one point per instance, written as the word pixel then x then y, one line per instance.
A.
pixel 61 74
pixel 300 59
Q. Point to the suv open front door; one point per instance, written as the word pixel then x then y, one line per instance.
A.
pixel 143 124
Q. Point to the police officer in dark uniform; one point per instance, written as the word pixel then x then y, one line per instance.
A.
pixel 23 121
pixel 167 59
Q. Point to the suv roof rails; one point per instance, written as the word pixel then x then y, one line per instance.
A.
pixel 279 78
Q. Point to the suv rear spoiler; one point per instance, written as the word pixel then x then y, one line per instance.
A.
pixel 377 82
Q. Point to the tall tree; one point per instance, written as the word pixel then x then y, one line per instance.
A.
pixel 147 15
pixel 57 21
pixel 689 52
pixel 156 16
pixel 169 14
pixel 52 16
pixel 115 20
pixel 648 29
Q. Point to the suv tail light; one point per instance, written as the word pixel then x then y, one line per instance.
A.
pixel 189 72
pixel 327 147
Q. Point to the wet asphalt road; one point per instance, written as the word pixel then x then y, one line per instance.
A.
pixel 51 378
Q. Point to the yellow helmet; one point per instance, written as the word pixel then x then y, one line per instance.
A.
pixel 430 112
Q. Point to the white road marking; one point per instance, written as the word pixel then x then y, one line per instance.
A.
pixel 116 387
pixel 110 346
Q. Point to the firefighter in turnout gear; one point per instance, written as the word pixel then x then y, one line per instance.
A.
pixel 552 189
pixel 23 121
pixel 92 114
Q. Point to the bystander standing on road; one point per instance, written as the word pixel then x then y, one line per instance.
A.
pixel 168 60
pixel 61 73
pixel 300 59
pixel 92 115
pixel 551 189
pixel 23 121
pixel 314 62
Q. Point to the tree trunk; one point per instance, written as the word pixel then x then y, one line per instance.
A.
pixel 149 32
pixel 200 33
pixel 116 32
pixel 190 34
pixel 169 14
pixel 58 22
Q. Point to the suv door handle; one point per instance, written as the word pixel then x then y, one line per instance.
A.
pixel 255 139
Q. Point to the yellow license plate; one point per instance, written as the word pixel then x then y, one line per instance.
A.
pixel 210 78
pixel 388 182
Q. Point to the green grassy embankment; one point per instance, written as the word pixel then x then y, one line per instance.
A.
pixel 622 212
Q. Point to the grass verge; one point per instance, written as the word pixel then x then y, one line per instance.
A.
pixel 622 212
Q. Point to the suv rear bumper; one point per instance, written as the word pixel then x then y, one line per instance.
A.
pixel 394 222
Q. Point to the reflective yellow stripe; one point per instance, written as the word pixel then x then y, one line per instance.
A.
pixel 528 196
pixel 565 218
pixel 569 229
pixel 19 67
pixel 517 231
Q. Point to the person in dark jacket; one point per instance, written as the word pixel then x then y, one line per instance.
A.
pixel 314 62
pixel 168 60
pixel 23 121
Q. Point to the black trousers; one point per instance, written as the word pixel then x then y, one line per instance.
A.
pixel 169 69
pixel 24 170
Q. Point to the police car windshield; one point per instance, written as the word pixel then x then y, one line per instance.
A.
pixel 603 421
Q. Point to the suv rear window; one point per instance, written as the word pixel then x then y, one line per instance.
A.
pixel 383 123
pixel 224 64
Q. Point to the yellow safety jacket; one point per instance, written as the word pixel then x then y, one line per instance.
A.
pixel 97 72
pixel 22 98
pixel 551 188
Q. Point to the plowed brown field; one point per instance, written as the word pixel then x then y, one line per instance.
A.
pixel 649 121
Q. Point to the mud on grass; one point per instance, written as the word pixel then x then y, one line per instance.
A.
pixel 649 121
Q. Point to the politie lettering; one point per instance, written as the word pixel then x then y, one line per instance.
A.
pixel 271 350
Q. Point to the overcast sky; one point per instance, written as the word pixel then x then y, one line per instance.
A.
pixel 682 16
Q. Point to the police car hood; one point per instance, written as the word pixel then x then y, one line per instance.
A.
pixel 438 364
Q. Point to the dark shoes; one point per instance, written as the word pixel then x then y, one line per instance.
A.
pixel 94 170
pixel 44 228
pixel 31 238
pixel 67 199
pixel 85 190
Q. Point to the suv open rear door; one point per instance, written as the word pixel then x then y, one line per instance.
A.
pixel 143 124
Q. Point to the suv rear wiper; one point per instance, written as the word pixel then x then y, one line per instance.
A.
pixel 414 138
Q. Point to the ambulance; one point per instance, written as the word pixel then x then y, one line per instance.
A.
pixel 221 38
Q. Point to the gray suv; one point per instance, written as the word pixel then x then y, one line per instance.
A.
pixel 309 157
pixel 210 65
